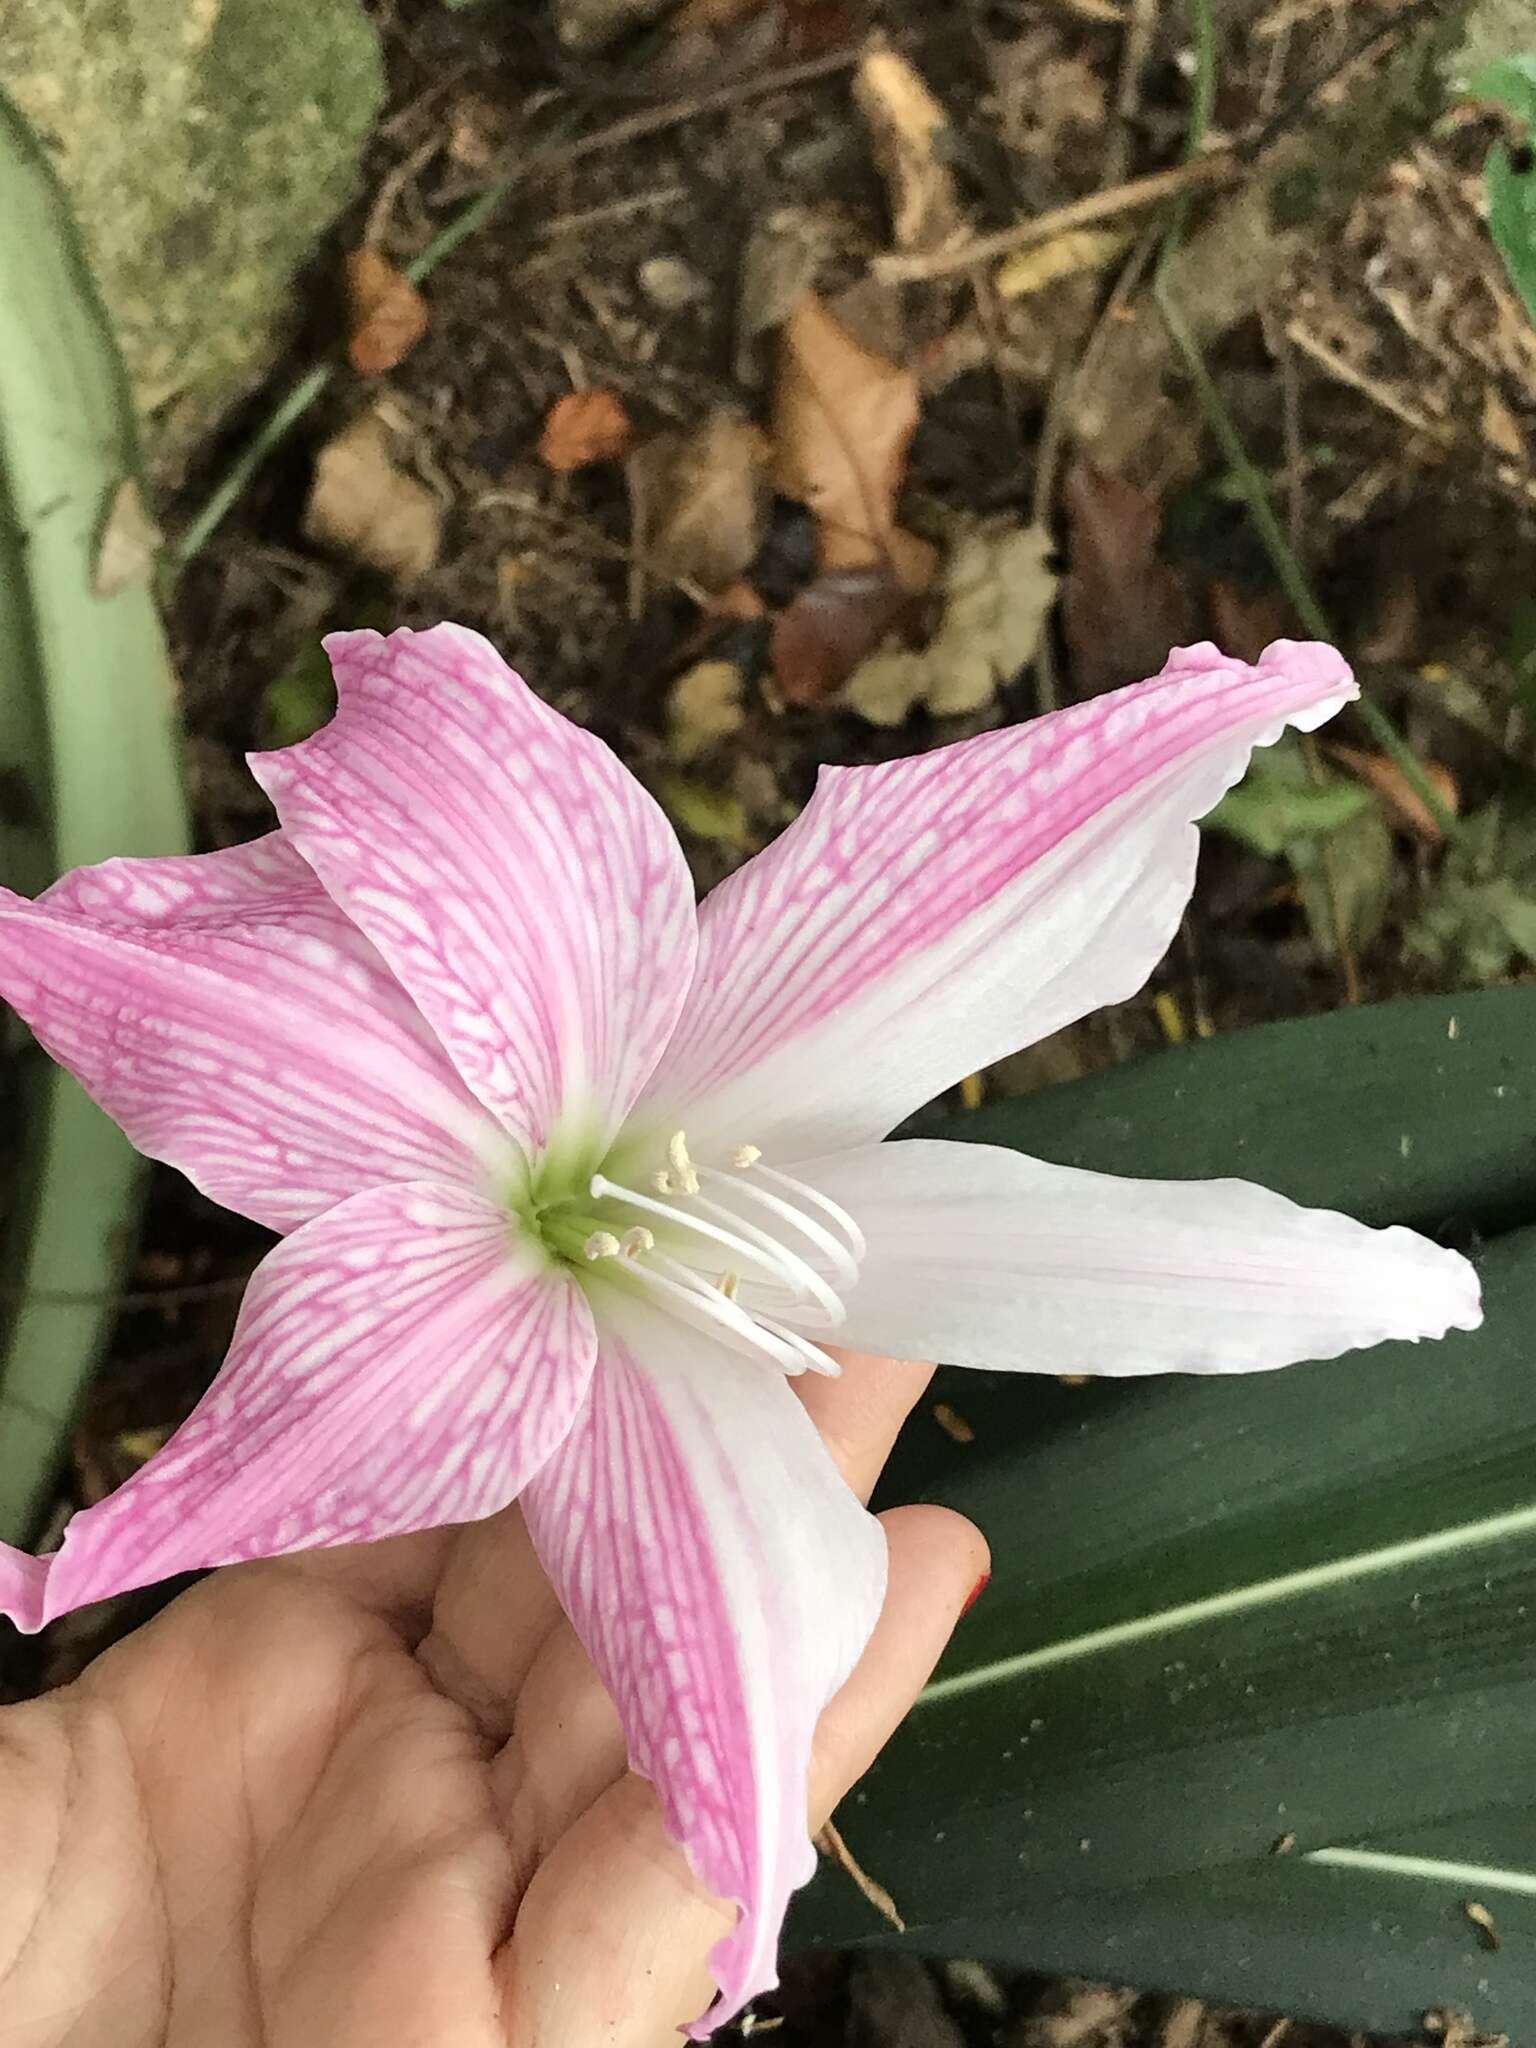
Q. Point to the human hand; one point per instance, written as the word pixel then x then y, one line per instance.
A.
pixel 379 1794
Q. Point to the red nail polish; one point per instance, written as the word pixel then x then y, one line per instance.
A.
pixel 976 1592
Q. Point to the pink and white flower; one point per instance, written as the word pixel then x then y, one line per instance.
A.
pixel 576 1178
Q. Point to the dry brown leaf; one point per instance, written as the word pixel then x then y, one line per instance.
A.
pixel 998 590
pixel 906 128
pixel 834 624
pixel 363 503
pixel 843 421
pixel 1122 606
pixel 782 256
pixel 386 315
pixel 699 501
pixel 1501 430
pixel 704 705
pixel 584 427
pixel 1070 255
pixel 128 544
pixel 1404 807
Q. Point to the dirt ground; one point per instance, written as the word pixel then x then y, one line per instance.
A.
pixel 731 608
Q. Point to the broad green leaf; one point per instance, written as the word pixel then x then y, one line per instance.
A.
pixel 88 768
pixel 1479 920
pixel 1277 805
pixel 1225 1613
pixel 1331 832
pixel 1509 180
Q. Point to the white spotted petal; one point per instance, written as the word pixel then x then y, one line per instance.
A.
pixel 399 1363
pixel 525 890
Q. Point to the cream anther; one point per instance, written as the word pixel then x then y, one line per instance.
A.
pixel 729 1282
pixel 636 1241
pixel 746 1155
pixel 682 1165
pixel 661 1181
pixel 602 1244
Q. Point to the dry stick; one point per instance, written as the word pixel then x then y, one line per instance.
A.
pixel 539 163
pixel 1135 47
pixel 1221 167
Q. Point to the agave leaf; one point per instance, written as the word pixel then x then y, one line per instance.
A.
pixel 88 768
pixel 1295 1608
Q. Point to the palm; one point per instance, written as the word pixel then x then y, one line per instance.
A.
pixel 381 1795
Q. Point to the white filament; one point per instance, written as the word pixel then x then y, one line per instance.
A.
pixel 767 1288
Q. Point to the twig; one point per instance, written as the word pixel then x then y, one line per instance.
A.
pixel 538 164
pixel 831 1843
pixel 1291 575
pixel 1342 371
pixel 1135 46
pixel 1221 167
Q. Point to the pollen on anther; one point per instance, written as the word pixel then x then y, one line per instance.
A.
pixel 682 1165
pixel 746 1155
pixel 636 1241
pixel 661 1181
pixel 728 1284
pixel 602 1244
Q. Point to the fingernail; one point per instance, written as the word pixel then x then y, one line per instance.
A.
pixel 976 1592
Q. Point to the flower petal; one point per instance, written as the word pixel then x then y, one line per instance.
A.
pixel 223 1010
pixel 724 1581
pixel 399 1363
pixel 981 1256
pixel 521 884
pixel 923 918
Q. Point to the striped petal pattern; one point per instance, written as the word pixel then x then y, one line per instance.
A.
pixel 233 1021
pixel 399 1362
pixel 923 918
pixel 724 1581
pixel 523 887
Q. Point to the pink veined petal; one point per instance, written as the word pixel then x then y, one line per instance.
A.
pixel 923 918
pixel 724 1581
pixel 521 884
pixel 399 1363
pixel 981 1256
pixel 222 1009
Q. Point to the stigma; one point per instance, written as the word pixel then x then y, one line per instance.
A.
pixel 749 1253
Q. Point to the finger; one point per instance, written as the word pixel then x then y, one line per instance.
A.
pixel 860 1413
pixel 396 1577
pixel 938 1559
pixel 613 1935
pixel 494 1608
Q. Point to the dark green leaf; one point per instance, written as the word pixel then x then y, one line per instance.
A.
pixel 1224 1613
pixel 1509 179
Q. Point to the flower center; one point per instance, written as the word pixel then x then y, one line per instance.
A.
pixel 747 1252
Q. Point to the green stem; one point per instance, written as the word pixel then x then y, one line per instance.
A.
pixel 1282 556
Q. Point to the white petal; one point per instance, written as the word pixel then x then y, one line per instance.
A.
pixel 724 1581
pixel 985 1257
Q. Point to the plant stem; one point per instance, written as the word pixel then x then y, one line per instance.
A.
pixel 1283 557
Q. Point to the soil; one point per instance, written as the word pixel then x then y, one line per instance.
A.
pixel 1382 374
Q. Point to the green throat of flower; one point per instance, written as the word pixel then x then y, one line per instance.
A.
pixel 757 1257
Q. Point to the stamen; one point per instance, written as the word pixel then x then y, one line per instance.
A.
pixel 802 1192
pixel 746 1155
pixel 602 1244
pixel 844 1264
pixel 728 1283
pixel 661 1181
pixel 636 1241
pixel 815 1358
pixel 706 1307
pixel 744 1251
pixel 803 1279
pixel 682 1165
